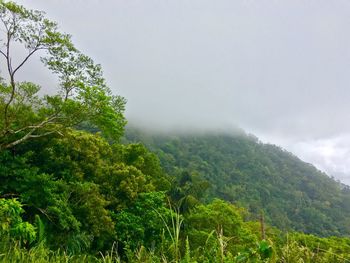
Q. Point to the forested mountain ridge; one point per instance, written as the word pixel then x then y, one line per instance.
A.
pixel 240 169
pixel 70 191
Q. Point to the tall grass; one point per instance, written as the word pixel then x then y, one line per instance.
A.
pixel 175 249
pixel 291 252
pixel 40 254
pixel 173 231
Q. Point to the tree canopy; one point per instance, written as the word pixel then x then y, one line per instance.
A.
pixel 244 171
pixel 81 96
pixel 86 197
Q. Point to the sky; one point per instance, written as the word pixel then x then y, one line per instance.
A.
pixel 279 69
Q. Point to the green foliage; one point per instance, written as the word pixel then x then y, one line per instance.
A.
pixel 41 254
pixel 82 96
pixel 332 247
pixel 221 218
pixel 262 252
pixel 187 190
pixel 241 170
pixel 75 183
pixel 84 195
pixel 11 222
pixel 90 199
pixel 141 224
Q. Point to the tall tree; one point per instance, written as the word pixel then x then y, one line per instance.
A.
pixel 82 94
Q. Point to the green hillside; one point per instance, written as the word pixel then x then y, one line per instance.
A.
pixel 71 190
pixel 240 169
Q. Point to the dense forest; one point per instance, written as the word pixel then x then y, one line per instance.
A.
pixel 293 194
pixel 73 189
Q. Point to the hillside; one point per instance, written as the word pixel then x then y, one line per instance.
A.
pixel 75 189
pixel 240 169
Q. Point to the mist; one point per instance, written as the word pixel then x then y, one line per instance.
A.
pixel 277 69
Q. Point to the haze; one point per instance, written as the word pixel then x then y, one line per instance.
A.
pixel 277 69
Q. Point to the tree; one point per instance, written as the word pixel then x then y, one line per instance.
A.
pixel 143 222
pixel 52 181
pixel 11 223
pixel 221 219
pixel 82 94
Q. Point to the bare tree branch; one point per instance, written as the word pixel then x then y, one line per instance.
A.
pixel 76 73
pixel 12 81
pixel 38 126
pixel 3 53
pixel 44 134
pixel 28 136
pixel 26 59
pixel 27 128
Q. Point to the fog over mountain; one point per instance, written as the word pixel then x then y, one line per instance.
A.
pixel 277 69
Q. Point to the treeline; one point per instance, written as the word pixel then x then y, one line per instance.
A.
pixel 79 198
pixel 293 194
pixel 70 195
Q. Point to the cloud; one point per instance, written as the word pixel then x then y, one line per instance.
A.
pixel 331 155
pixel 278 69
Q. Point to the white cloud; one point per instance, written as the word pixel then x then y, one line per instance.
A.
pixel 275 68
pixel 331 155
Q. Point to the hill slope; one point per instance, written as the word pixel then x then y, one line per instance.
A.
pixel 293 194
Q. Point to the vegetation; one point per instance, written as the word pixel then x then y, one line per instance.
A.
pixel 70 195
pixel 82 94
pixel 292 194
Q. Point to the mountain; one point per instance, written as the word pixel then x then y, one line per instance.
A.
pixel 292 194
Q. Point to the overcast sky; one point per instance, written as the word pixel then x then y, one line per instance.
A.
pixel 279 69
